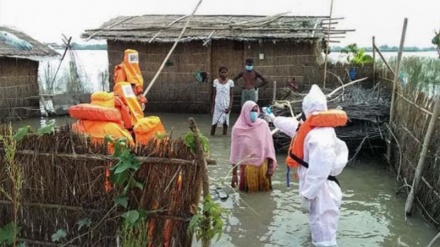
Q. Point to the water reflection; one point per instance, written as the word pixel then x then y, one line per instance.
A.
pixel 371 215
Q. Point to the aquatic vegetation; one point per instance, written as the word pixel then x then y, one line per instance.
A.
pixel 420 72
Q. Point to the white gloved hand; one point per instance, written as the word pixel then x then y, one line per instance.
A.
pixel 305 205
pixel 268 115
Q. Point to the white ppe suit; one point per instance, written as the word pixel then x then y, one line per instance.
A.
pixel 326 155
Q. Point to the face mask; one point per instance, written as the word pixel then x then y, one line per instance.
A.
pixel 249 67
pixel 254 116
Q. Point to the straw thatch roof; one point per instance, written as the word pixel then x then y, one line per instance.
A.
pixel 14 43
pixel 166 28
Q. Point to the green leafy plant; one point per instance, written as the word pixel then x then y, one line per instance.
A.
pixel 134 231
pixel 356 56
pixel 47 129
pixel 8 233
pixel 204 141
pixel 84 222
pixel 208 222
pixel 57 236
pixel 122 173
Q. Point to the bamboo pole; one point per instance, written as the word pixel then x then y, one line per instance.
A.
pixel 274 92
pixel 384 60
pixel 171 50
pixel 393 94
pixel 149 160
pixel 327 46
pixel 171 23
pixel 53 206
pixel 202 163
pixel 374 60
pixel 345 85
pixel 437 237
pixel 421 163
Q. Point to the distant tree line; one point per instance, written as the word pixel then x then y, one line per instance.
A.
pixel 76 46
pixel 386 48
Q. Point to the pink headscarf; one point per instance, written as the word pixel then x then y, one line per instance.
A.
pixel 251 143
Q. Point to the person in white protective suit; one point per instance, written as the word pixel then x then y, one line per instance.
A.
pixel 320 156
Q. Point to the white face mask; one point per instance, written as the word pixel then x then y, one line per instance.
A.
pixel 249 67
pixel 253 116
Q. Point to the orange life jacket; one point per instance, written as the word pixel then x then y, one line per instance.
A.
pixel 126 94
pixel 330 118
pixel 129 71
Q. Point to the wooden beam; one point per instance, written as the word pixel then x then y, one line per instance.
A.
pixel 149 160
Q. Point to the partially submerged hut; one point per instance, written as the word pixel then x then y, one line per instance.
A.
pixel 19 59
pixel 281 46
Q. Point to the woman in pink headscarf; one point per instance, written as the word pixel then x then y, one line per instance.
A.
pixel 253 150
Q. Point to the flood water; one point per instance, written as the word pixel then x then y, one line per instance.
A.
pixel 371 214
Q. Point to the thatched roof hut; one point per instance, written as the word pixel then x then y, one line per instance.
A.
pixel 19 60
pixel 281 46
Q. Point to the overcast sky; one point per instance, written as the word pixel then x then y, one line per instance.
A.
pixel 46 20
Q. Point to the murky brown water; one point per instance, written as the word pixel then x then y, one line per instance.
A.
pixel 371 214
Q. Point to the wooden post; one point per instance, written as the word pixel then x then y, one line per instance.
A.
pixel 274 92
pixel 374 60
pixel 328 43
pixel 200 156
pixel 421 163
pixel 395 81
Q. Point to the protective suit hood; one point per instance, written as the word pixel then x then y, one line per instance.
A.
pixel 314 101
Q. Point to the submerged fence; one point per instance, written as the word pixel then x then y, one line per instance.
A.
pixel 63 189
pixel 413 113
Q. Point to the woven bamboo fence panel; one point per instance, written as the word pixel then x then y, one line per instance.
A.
pixel 413 113
pixel 18 89
pixel 64 182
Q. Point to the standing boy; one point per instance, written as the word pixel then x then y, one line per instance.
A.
pixel 250 76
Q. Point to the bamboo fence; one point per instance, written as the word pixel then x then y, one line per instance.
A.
pixel 64 179
pixel 413 113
